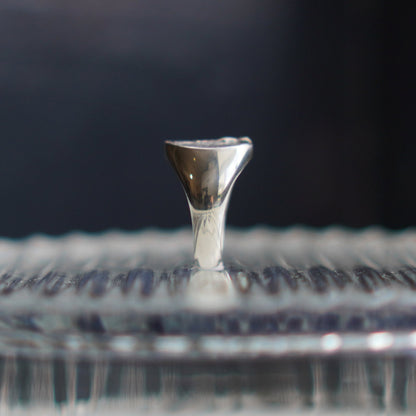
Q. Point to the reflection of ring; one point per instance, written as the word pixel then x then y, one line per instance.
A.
pixel 211 290
pixel 207 170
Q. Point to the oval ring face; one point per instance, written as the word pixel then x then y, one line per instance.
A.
pixel 208 168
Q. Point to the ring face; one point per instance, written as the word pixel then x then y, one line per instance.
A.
pixel 207 170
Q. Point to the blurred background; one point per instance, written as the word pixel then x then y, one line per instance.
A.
pixel 89 90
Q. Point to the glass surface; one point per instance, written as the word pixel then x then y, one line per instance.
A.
pixel 301 321
pixel 290 386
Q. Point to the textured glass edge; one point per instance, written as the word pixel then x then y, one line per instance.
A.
pixel 205 347
pixel 54 274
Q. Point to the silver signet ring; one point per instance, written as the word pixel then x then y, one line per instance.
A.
pixel 208 170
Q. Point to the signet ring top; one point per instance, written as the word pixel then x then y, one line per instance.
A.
pixel 207 170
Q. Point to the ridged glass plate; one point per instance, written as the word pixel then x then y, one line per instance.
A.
pixel 300 320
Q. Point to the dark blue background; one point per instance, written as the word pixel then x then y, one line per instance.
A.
pixel 89 91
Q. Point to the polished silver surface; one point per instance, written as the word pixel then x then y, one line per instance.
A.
pixel 208 170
